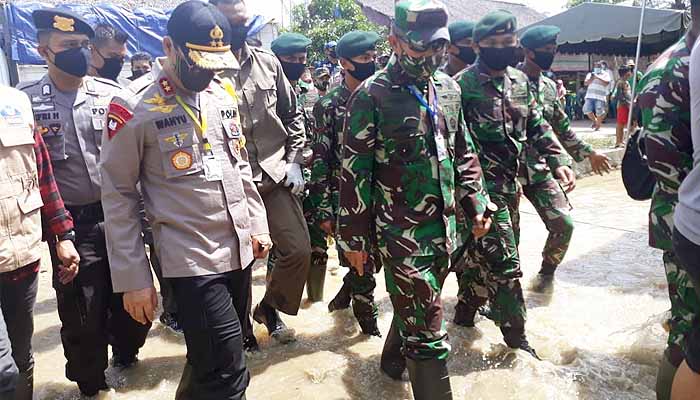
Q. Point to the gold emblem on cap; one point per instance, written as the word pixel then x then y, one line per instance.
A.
pixel 217 36
pixel 63 24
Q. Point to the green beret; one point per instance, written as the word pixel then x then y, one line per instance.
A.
pixel 460 30
pixel 355 43
pixel 421 22
pixel 495 23
pixel 539 36
pixel 290 43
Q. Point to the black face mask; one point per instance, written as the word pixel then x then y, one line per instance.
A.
pixel 193 78
pixel 466 54
pixel 238 36
pixel 112 67
pixel 362 71
pixel 293 71
pixel 137 73
pixel 332 54
pixel 73 61
pixel 544 59
pixel 498 59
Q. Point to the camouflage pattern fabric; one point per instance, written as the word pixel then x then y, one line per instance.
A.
pixel 664 100
pixel 362 288
pixel 400 182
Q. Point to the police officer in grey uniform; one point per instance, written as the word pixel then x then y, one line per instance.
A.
pixel 70 110
pixel 180 137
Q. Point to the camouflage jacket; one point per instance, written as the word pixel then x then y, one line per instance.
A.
pixel 329 116
pixel 664 100
pixel 502 116
pixel 400 178
pixel 302 99
pixel 533 167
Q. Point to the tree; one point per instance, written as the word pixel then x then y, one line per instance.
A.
pixel 326 20
pixel 672 4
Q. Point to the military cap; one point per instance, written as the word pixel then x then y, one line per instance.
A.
pixel 203 34
pixel 55 20
pixel 355 43
pixel 460 30
pixel 421 22
pixel 290 43
pixel 321 71
pixel 539 36
pixel 495 23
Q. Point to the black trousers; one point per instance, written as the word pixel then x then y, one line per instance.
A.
pixel 208 312
pixel 92 315
pixel 166 290
pixel 688 254
pixel 17 300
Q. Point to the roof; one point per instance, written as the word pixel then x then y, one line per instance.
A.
pixel 381 11
pixel 611 29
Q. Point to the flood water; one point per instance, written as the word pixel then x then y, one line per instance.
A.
pixel 599 333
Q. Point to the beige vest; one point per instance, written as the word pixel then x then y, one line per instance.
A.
pixel 20 199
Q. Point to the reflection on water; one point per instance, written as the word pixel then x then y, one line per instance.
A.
pixel 599 332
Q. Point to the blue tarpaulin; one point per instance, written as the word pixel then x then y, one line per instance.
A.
pixel 144 26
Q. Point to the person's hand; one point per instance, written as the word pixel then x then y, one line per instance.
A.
pixel 141 304
pixel 327 226
pixel 357 259
pixel 600 163
pixel 566 177
pixel 295 179
pixel 70 261
pixel 261 246
pixel 481 226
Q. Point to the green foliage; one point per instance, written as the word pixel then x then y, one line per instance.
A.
pixel 674 4
pixel 326 20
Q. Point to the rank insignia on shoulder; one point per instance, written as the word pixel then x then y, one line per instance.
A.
pixel 160 105
pixel 166 86
pixel 117 117
pixel 181 160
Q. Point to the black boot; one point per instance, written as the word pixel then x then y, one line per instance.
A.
pixel 365 312
pixel 316 278
pixel 515 339
pixel 250 344
pixel 122 361
pixel 268 316
pixel 393 362
pixel 430 379
pixel 25 385
pixel 464 315
pixel 341 301
pixel 91 388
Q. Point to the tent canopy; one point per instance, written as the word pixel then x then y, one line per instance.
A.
pixel 609 29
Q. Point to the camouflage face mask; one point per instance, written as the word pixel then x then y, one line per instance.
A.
pixel 421 68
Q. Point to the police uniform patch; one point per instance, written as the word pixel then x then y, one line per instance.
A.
pixel 160 104
pixel 177 139
pixel 166 86
pixel 41 107
pixel 117 117
pixel 42 130
pixel 181 160
pixel 55 128
pixel 46 90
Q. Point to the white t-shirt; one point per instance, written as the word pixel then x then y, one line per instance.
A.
pixel 598 90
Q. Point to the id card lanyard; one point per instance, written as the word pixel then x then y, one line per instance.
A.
pixel 434 113
pixel 200 125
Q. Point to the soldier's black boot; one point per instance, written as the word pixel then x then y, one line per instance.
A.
pixel 430 379
pixel 250 344
pixel 465 315
pixel 341 301
pixel 544 282
pixel 515 339
pixel 25 385
pixel 268 316
pixel 316 277
pixel 393 362
pixel 364 313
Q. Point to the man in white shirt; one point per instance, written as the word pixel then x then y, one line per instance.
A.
pixel 598 83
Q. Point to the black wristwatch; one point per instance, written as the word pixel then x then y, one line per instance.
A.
pixel 70 235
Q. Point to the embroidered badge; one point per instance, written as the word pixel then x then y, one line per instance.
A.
pixel 63 24
pixel 177 139
pixel 181 160
pixel 160 104
pixel 166 86
pixel 117 117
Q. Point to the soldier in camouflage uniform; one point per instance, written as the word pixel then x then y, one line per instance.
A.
pixel 538 185
pixel 664 100
pixel 502 117
pixel 461 53
pixel 407 163
pixel 356 51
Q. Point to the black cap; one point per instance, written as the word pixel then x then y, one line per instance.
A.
pixel 203 34
pixel 55 20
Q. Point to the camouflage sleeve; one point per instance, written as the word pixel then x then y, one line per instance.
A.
pixel 471 185
pixel 574 145
pixel 291 116
pixel 322 182
pixel 666 118
pixel 541 135
pixel 355 220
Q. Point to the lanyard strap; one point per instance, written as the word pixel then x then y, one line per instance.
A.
pixel 201 126
pixel 432 108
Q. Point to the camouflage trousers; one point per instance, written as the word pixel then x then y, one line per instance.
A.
pixel 414 285
pixel 361 288
pixel 319 245
pixel 491 271
pixel 554 208
pixel 684 301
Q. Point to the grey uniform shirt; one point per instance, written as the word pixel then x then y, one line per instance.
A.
pixel 71 125
pixel 202 226
pixel 272 123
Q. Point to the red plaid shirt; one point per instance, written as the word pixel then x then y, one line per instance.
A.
pixel 55 218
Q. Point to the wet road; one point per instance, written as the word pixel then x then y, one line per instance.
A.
pixel 599 332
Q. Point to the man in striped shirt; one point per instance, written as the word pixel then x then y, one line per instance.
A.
pixel 598 83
